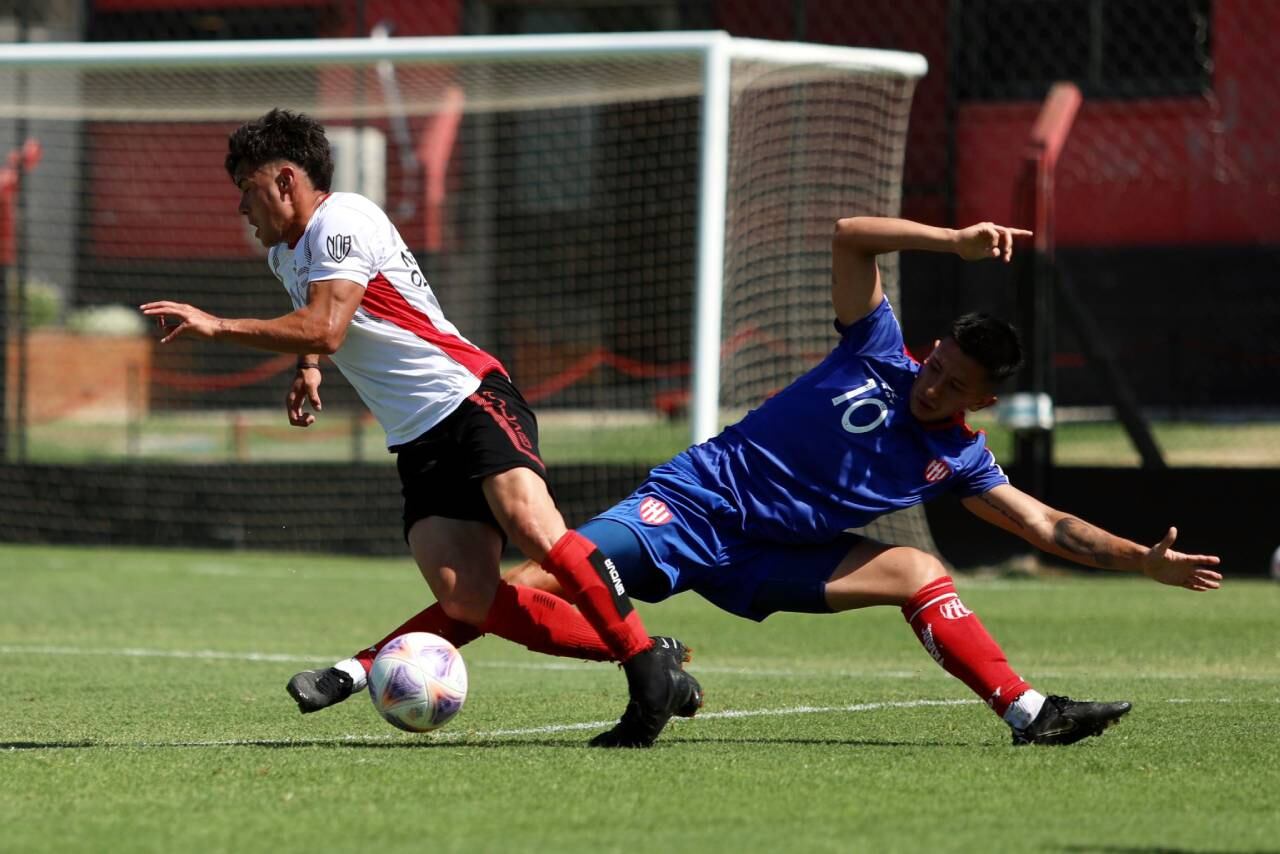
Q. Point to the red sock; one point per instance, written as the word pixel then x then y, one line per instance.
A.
pixel 433 620
pixel 957 640
pixel 593 583
pixel 543 623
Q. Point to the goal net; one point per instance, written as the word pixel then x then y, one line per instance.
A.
pixel 637 225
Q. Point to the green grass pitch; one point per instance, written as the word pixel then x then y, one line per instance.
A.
pixel 143 710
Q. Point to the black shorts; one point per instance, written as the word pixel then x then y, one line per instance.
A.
pixel 492 431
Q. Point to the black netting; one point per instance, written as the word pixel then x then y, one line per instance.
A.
pixel 1166 217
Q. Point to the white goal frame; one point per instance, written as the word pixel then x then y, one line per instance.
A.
pixel 716 51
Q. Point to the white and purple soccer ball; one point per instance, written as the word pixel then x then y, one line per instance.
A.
pixel 418 682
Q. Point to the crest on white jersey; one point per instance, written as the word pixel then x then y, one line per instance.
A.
pixel 339 246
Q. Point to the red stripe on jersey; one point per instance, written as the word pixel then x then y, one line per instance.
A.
pixel 381 299
pixel 519 439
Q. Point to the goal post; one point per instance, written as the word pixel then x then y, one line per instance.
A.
pixel 719 90
pixel 637 224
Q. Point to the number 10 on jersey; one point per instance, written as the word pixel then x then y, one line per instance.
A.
pixel 847 420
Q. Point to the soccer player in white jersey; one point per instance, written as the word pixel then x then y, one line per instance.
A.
pixel 754 520
pixel 466 441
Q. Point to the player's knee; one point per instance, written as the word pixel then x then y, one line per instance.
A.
pixel 920 568
pixel 525 510
pixel 466 607
pixel 533 538
pixel 464 596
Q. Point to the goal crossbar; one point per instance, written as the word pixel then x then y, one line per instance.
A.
pixel 451 50
pixel 715 51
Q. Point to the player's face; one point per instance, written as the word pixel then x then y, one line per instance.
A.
pixel 949 382
pixel 263 205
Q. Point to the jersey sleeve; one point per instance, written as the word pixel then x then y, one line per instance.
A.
pixel 340 247
pixel 981 477
pixel 877 334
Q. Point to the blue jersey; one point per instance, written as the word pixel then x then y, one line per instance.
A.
pixel 833 450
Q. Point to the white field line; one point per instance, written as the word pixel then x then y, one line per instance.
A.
pixel 705 716
pixel 550 729
pixel 926 670
pixel 405 577
pixel 1230 700
pixel 318 660
pixel 509 733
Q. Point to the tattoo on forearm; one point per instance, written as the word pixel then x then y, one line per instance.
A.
pixel 1080 538
pixel 1002 511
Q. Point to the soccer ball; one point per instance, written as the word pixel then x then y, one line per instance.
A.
pixel 418 682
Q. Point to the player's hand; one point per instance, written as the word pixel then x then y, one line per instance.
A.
pixel 1194 572
pixel 305 389
pixel 178 318
pixel 988 240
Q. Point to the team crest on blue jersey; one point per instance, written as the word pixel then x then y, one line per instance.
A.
pixel 936 470
pixel 339 245
pixel 654 512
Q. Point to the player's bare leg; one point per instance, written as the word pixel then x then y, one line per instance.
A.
pixel 566 634
pixel 875 574
pixel 530 574
pixel 469 590
pixel 915 581
pixel 459 560
pixel 657 684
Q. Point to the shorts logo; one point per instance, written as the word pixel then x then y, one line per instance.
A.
pixel 654 512
pixel 338 245
pixel 954 609
pixel 499 410
pixel 936 470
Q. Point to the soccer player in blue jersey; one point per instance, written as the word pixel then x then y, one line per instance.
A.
pixel 755 519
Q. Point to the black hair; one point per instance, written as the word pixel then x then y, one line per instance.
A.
pixel 282 135
pixel 989 341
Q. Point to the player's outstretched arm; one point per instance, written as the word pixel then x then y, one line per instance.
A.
pixel 320 326
pixel 1074 539
pixel 986 240
pixel 856 289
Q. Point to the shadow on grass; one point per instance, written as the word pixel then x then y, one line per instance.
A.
pixel 1162 849
pixel 455 742
pixel 662 743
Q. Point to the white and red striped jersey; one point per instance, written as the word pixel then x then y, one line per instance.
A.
pixel 408 363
